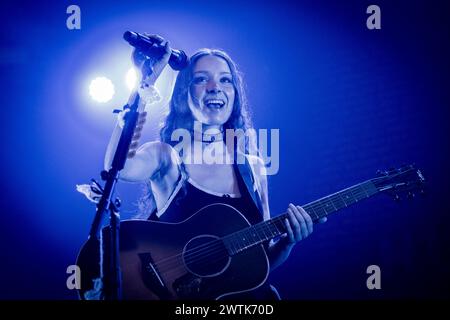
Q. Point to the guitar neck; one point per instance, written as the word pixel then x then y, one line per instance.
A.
pixel 269 229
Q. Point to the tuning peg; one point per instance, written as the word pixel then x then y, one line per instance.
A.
pixel 422 192
pixel 411 195
pixel 397 197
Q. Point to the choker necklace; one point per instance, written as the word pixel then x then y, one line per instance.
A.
pixel 208 137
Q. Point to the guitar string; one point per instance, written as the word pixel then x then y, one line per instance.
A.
pixel 200 250
pixel 210 253
pixel 192 252
pixel 212 249
pixel 210 256
pixel 363 193
pixel 260 226
pixel 205 250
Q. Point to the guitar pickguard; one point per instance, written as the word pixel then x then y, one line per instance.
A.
pixel 151 277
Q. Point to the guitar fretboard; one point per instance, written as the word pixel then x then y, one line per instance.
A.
pixel 269 229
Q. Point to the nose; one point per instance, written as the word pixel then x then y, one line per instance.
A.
pixel 212 86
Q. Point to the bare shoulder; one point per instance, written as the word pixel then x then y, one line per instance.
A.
pixel 160 151
pixel 154 148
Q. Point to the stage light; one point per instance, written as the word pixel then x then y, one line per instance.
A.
pixel 131 78
pixel 101 89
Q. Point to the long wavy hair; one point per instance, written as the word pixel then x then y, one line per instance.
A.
pixel 180 115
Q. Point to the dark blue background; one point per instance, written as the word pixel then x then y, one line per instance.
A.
pixel 347 101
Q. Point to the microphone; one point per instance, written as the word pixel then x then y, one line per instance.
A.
pixel 151 48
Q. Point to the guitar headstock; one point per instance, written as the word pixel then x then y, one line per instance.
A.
pixel 405 180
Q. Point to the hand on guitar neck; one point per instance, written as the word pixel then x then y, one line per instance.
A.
pixel 299 226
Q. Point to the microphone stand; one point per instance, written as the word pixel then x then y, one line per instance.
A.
pixel 110 269
pixel 109 262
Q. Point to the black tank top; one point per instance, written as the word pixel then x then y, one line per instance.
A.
pixel 185 204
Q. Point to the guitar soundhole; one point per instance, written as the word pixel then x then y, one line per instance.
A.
pixel 206 256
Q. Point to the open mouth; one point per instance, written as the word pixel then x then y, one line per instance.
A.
pixel 214 103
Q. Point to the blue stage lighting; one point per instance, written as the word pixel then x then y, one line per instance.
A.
pixel 101 89
pixel 131 78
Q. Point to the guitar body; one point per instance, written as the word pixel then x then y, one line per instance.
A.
pixel 215 253
pixel 185 260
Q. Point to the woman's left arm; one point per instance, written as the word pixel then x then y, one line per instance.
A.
pixel 299 224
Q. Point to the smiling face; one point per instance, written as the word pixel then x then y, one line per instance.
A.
pixel 212 92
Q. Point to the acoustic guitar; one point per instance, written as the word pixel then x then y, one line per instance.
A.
pixel 216 252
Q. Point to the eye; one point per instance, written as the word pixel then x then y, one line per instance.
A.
pixel 225 80
pixel 200 80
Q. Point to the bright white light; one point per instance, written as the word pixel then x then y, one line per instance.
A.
pixel 131 78
pixel 101 89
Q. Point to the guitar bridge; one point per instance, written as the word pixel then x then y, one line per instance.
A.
pixel 189 287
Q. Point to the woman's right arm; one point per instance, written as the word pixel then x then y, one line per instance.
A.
pixel 146 162
pixel 152 155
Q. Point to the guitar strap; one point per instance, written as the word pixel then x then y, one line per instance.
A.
pixel 246 173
